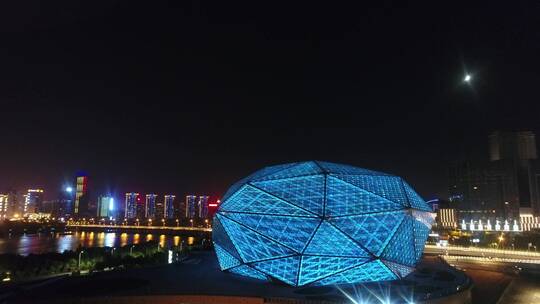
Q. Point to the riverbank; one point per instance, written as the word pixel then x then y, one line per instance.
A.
pixel 19 268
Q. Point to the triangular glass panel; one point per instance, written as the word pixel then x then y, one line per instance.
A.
pixel 415 201
pixel 343 198
pixel 346 169
pixel 220 237
pixel 400 249
pixel 369 272
pixel 300 169
pixel 225 259
pixel 293 232
pixel 400 270
pixel 283 269
pixel 372 231
pixel 389 187
pixel 255 175
pixel 252 200
pixel 421 233
pixel 316 267
pixel 306 192
pixel 328 240
pixel 247 271
pixel 426 218
pixel 251 245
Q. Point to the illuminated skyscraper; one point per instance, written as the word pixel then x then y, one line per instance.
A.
pixel 130 206
pixel 160 210
pixel 203 206
pixel 81 197
pixel 191 206
pixel 4 204
pixel 150 206
pixel 32 201
pixel 105 206
pixel 15 204
pixel 169 206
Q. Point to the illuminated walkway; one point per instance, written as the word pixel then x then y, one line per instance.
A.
pixel 140 227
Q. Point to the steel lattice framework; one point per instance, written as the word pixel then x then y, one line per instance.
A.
pixel 321 223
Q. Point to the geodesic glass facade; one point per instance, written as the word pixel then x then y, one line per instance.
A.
pixel 321 223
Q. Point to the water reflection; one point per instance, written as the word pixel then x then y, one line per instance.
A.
pixel 40 243
pixel 110 239
pixel 162 240
pixel 123 239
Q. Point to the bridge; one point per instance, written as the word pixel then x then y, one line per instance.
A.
pixel 139 228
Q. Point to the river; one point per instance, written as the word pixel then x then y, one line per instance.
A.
pixel 56 242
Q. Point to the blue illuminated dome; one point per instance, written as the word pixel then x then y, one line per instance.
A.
pixel 321 223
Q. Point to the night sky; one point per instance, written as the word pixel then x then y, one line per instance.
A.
pixel 188 97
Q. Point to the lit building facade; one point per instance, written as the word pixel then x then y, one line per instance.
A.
pixel 500 188
pixel 168 204
pixel 4 205
pixel 319 223
pixel 150 206
pixel 81 198
pixel 191 206
pixel 203 206
pixel 33 200
pixel 160 210
pixel 105 207
pixel 130 205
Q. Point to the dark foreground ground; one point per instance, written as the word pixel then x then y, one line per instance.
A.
pixel 498 283
pixel 200 275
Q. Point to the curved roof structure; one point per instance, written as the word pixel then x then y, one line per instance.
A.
pixel 320 223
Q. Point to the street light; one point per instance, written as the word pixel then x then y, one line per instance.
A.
pixel 163 222
pixel 177 222
pixel 79 265
pixel 131 250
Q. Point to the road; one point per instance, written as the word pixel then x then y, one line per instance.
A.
pixel 528 257
pixel 499 276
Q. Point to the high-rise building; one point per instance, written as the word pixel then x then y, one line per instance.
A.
pixel 150 206
pixel 33 200
pixel 130 206
pixel 4 205
pixel 160 210
pixel 191 206
pixel 169 206
pixel 15 204
pixel 105 206
pixel 503 188
pixel 520 145
pixel 80 207
pixel 202 211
